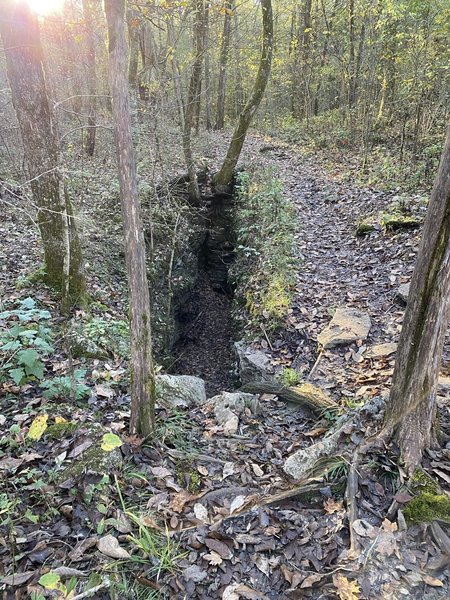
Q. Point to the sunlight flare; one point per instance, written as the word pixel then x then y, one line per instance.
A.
pixel 45 7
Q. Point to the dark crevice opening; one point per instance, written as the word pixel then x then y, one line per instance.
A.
pixel 206 331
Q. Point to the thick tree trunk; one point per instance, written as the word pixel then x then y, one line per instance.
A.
pixel 412 403
pixel 88 15
pixel 224 51
pixel 193 98
pixel 142 372
pixel 224 177
pixel 24 64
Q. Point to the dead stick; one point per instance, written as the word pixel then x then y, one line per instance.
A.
pixel 352 507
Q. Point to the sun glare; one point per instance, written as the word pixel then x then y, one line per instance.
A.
pixel 45 7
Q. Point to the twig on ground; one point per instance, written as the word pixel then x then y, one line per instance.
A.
pixel 352 507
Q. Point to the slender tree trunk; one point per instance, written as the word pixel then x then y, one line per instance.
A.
pixel 412 402
pixel 193 92
pixel 133 37
pixel 239 100
pixel 223 178
pixel 142 372
pixel 24 64
pixel 175 71
pixel 88 16
pixel 208 103
pixel 324 55
pixel 224 51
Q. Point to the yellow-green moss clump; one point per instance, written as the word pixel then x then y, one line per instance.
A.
pixel 428 507
pixel 60 430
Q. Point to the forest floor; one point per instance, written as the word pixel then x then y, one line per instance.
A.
pixel 200 514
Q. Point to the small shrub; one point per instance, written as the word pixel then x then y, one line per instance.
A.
pixel 64 386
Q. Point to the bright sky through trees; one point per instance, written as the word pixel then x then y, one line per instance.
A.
pixel 45 7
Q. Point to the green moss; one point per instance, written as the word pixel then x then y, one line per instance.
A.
pixel 422 482
pixel 60 430
pixel 290 377
pixel 427 507
pixel 93 460
pixel 364 226
pixel 394 221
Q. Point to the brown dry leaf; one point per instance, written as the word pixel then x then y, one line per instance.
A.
pixel 315 432
pixel 257 470
pixel 346 589
pixel 219 547
pixel 433 581
pixel 311 580
pixel 180 499
pixel 389 526
pixel 160 472
pixel 213 558
pixel 201 513
pixel 203 470
pixel 109 546
pixel 18 578
pixel 249 593
pixel 331 506
pixel 236 504
pixel 81 547
pixel 149 522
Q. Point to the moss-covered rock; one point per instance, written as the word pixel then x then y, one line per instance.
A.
pixel 364 227
pixel 428 507
pixel 101 338
pixel 395 221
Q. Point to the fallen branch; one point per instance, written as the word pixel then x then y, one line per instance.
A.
pixel 352 507
pixel 305 394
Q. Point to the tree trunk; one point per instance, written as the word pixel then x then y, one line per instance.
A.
pixel 175 70
pixel 224 51
pixel 208 107
pixel 412 402
pixel 224 177
pixel 324 55
pixel 351 54
pixel 193 93
pixel 24 63
pixel 88 16
pixel 133 37
pixel 142 372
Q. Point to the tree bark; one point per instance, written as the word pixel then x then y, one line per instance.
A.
pixel 208 107
pixel 133 37
pixel 24 63
pixel 412 402
pixel 224 51
pixel 142 372
pixel 88 16
pixel 224 177
pixel 193 93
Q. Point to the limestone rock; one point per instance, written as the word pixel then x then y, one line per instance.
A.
pixel 381 350
pixel 254 366
pixel 228 406
pixel 348 325
pixel 403 292
pixel 444 385
pixel 180 390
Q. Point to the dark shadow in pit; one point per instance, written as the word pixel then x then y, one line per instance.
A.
pixel 204 347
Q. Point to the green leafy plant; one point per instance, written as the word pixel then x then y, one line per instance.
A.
pixel 63 386
pixel 24 342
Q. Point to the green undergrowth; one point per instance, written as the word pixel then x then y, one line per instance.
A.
pixel 264 269
pixel 377 158
pixel 429 503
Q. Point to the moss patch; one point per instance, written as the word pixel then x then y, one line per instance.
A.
pixel 60 430
pixel 427 507
pixel 395 221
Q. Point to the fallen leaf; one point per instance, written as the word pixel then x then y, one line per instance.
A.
pixel 109 546
pixel 332 506
pixel 346 589
pixel 257 470
pixel 110 441
pixel 219 547
pixel 228 469
pixel 50 581
pixel 203 470
pixel 201 513
pixel 195 574
pixel 432 581
pixel 237 503
pixel 311 580
pixel 213 558
pixel 17 578
pixel 80 448
pixel 81 547
pixel 37 427
pixel 160 472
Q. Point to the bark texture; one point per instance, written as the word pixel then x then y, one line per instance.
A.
pixel 224 52
pixel 412 403
pixel 224 177
pixel 24 63
pixel 88 16
pixel 142 372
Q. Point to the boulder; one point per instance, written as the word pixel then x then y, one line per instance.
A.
pixel 380 350
pixel 229 405
pixel 348 325
pixel 254 366
pixel 403 292
pixel 180 390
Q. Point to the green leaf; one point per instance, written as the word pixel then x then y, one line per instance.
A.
pixel 37 370
pixel 28 303
pixel 17 375
pixel 28 357
pixel 50 581
pixel 110 441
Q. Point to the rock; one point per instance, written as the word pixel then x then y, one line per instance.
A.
pixel 444 385
pixel 254 366
pixel 380 350
pixel 228 406
pixel 348 325
pixel 180 390
pixel 403 292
